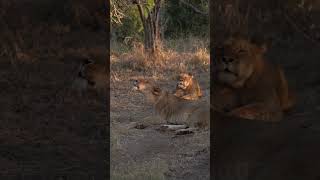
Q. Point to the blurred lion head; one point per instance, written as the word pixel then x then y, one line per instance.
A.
pixel 236 60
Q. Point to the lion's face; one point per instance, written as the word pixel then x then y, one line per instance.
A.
pixel 92 72
pixel 141 85
pixel 184 80
pixel 235 61
pixel 146 87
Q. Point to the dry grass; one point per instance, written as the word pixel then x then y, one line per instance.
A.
pixel 175 56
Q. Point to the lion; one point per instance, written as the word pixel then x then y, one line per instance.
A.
pixel 188 87
pixel 183 115
pixel 94 74
pixel 248 86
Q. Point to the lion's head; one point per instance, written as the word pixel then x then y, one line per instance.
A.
pixel 236 60
pixel 151 91
pixel 184 80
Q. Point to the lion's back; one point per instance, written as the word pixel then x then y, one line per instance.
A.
pixel 178 110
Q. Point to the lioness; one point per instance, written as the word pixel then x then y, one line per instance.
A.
pixel 95 74
pixel 188 87
pixel 252 87
pixel 191 114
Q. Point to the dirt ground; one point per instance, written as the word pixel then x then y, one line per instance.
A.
pixel 149 153
pixel 47 130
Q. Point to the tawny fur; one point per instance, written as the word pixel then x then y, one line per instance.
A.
pixel 95 74
pixel 194 114
pixel 248 86
pixel 188 87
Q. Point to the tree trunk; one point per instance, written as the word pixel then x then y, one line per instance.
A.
pixel 151 26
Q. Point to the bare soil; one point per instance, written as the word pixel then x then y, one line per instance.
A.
pixel 181 157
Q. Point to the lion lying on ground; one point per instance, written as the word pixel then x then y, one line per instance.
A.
pixel 188 87
pixel 246 85
pixel 181 113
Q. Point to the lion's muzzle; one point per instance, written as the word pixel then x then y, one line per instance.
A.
pixel 181 85
pixel 135 85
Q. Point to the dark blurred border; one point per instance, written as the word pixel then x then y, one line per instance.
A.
pixel 107 12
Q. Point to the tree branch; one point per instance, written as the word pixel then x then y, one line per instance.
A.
pixel 141 13
pixel 116 14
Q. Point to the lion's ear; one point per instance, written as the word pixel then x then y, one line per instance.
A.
pixel 156 91
pixel 262 49
pixel 190 74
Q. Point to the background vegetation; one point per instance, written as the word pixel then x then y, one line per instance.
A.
pixel 178 19
pixel 270 21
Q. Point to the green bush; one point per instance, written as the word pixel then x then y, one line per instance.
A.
pixel 131 25
pixel 177 20
pixel 182 20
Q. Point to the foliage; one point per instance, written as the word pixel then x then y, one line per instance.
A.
pixel 131 25
pixel 182 20
pixel 177 19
